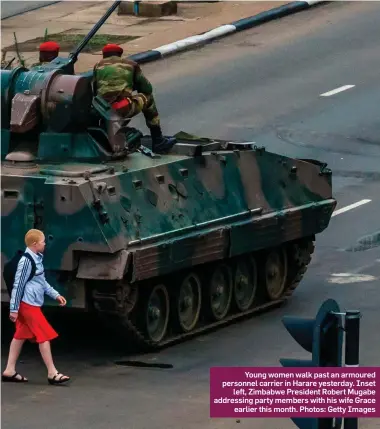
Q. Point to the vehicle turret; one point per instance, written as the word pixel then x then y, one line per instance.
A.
pixel 50 114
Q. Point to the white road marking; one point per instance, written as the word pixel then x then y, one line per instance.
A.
pixel 350 207
pixel 345 278
pixel 335 91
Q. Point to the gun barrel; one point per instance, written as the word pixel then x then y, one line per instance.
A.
pixel 74 54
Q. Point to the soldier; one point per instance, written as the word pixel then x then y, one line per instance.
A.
pixel 48 52
pixel 115 79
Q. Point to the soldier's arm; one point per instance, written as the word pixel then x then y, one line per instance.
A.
pixel 141 83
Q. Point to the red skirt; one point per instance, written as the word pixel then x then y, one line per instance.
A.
pixel 32 325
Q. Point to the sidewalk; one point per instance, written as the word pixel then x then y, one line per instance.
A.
pixel 139 33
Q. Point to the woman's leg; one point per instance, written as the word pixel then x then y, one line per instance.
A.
pixel 14 352
pixel 47 357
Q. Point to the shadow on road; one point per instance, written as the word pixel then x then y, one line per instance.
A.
pixel 82 337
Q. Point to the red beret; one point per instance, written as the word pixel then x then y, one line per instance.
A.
pixel 111 47
pixel 49 47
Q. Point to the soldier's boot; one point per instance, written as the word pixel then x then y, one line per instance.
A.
pixel 161 144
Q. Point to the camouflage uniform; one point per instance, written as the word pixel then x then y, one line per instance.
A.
pixel 115 80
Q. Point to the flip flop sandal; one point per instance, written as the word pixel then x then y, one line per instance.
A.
pixel 60 380
pixel 13 378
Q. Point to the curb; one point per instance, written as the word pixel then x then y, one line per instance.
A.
pixel 234 27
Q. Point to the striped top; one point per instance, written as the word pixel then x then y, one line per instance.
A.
pixel 31 292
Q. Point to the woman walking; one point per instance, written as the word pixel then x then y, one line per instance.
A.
pixel 26 301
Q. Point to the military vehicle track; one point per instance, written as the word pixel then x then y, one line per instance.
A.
pixel 134 326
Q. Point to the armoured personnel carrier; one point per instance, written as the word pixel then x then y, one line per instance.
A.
pixel 163 246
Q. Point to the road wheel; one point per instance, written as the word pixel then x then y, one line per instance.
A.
pixel 220 291
pixel 275 273
pixel 188 303
pixel 245 282
pixel 156 313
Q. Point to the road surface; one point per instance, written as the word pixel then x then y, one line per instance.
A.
pixel 265 85
pixel 12 8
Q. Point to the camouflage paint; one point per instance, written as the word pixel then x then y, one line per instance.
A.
pixel 166 211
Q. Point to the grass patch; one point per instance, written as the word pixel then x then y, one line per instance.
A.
pixel 69 41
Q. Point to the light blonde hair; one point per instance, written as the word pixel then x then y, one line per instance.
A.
pixel 33 236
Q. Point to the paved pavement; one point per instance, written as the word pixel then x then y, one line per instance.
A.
pixel 13 8
pixel 262 85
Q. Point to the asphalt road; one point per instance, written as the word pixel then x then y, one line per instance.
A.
pixel 11 8
pixel 263 85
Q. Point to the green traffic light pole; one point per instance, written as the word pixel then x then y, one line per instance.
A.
pixel 352 329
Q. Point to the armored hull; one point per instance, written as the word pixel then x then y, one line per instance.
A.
pixel 166 246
